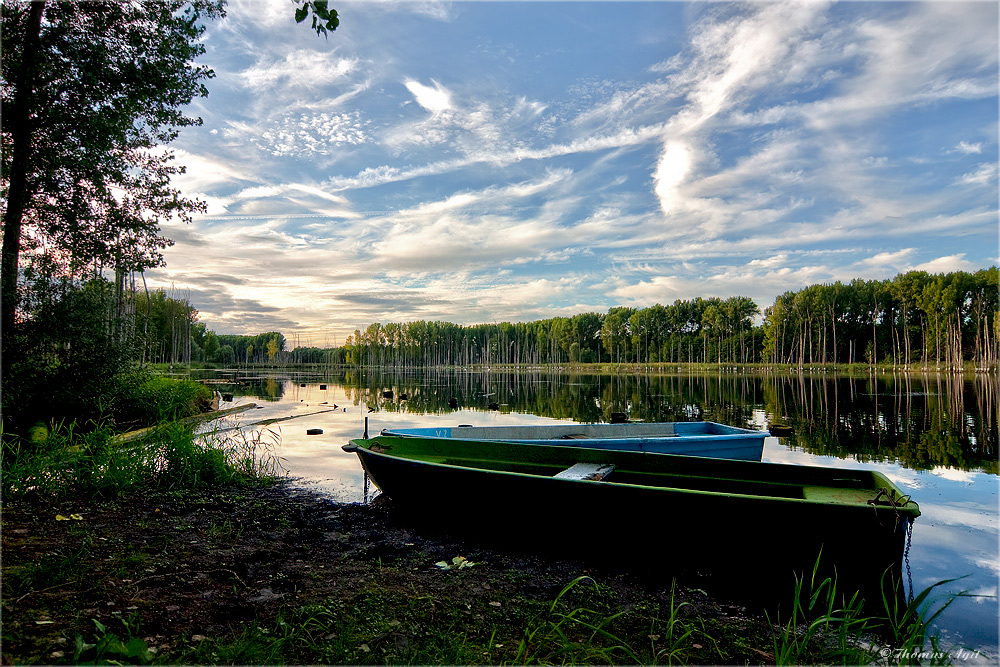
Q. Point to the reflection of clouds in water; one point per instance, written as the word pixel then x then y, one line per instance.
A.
pixel 903 478
pixel 991 563
pixel 983 594
pixel 961 514
pixel 955 475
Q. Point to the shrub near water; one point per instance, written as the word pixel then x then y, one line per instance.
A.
pixel 149 399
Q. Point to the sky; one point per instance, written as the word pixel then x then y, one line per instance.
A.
pixel 476 162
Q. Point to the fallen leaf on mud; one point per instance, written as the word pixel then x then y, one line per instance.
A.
pixel 457 563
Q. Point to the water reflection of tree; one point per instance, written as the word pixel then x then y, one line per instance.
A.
pixel 924 421
pixel 920 420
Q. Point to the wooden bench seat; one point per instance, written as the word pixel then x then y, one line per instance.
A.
pixel 586 471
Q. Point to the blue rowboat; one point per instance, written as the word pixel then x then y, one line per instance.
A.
pixel 682 438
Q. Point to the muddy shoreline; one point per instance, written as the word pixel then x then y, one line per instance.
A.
pixel 180 567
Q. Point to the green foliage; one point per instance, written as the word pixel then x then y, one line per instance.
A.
pixel 91 89
pixel 818 616
pixel 97 463
pixel 908 626
pixel 252 349
pixel 166 328
pixel 109 649
pixel 211 346
pixel 67 361
pixel 226 354
pixel 826 627
pixel 916 317
pixel 324 19
pixel 146 399
pixel 53 569
pixel 944 319
pixel 577 636
pixel 676 633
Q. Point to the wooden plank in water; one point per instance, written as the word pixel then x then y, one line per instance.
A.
pixel 205 416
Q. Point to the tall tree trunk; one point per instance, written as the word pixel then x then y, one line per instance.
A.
pixel 19 123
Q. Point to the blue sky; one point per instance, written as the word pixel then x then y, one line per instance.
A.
pixel 484 161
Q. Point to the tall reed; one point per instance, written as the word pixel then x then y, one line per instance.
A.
pixel 826 627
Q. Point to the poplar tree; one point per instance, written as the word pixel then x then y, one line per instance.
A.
pixel 91 92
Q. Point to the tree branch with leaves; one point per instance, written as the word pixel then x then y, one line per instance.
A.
pixel 324 19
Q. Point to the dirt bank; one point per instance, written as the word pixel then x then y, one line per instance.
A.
pixel 175 568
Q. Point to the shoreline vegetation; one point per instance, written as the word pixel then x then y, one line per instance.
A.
pixel 942 321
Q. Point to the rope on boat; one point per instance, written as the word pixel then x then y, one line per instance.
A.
pixel 889 500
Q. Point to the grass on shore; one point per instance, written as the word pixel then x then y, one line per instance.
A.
pixel 583 624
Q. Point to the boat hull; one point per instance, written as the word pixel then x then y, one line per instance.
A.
pixel 680 438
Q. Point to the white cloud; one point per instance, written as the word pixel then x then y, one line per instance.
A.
pixel 300 69
pixel 984 174
pixel 947 264
pixel 771 146
pixel 896 261
pixel 969 149
pixel 302 135
pixel 673 167
pixel 433 98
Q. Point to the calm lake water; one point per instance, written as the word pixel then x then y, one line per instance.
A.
pixel 934 436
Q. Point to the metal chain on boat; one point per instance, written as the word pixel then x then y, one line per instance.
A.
pixel 896 504
pixel 906 557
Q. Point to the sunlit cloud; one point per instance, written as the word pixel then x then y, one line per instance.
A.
pixel 433 98
pixel 297 70
pixel 947 264
pixel 984 174
pixel 670 172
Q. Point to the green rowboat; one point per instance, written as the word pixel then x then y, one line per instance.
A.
pixel 637 502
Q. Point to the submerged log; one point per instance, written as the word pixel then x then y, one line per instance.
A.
pixel 195 419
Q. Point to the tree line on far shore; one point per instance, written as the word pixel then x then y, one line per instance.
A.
pixel 946 320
